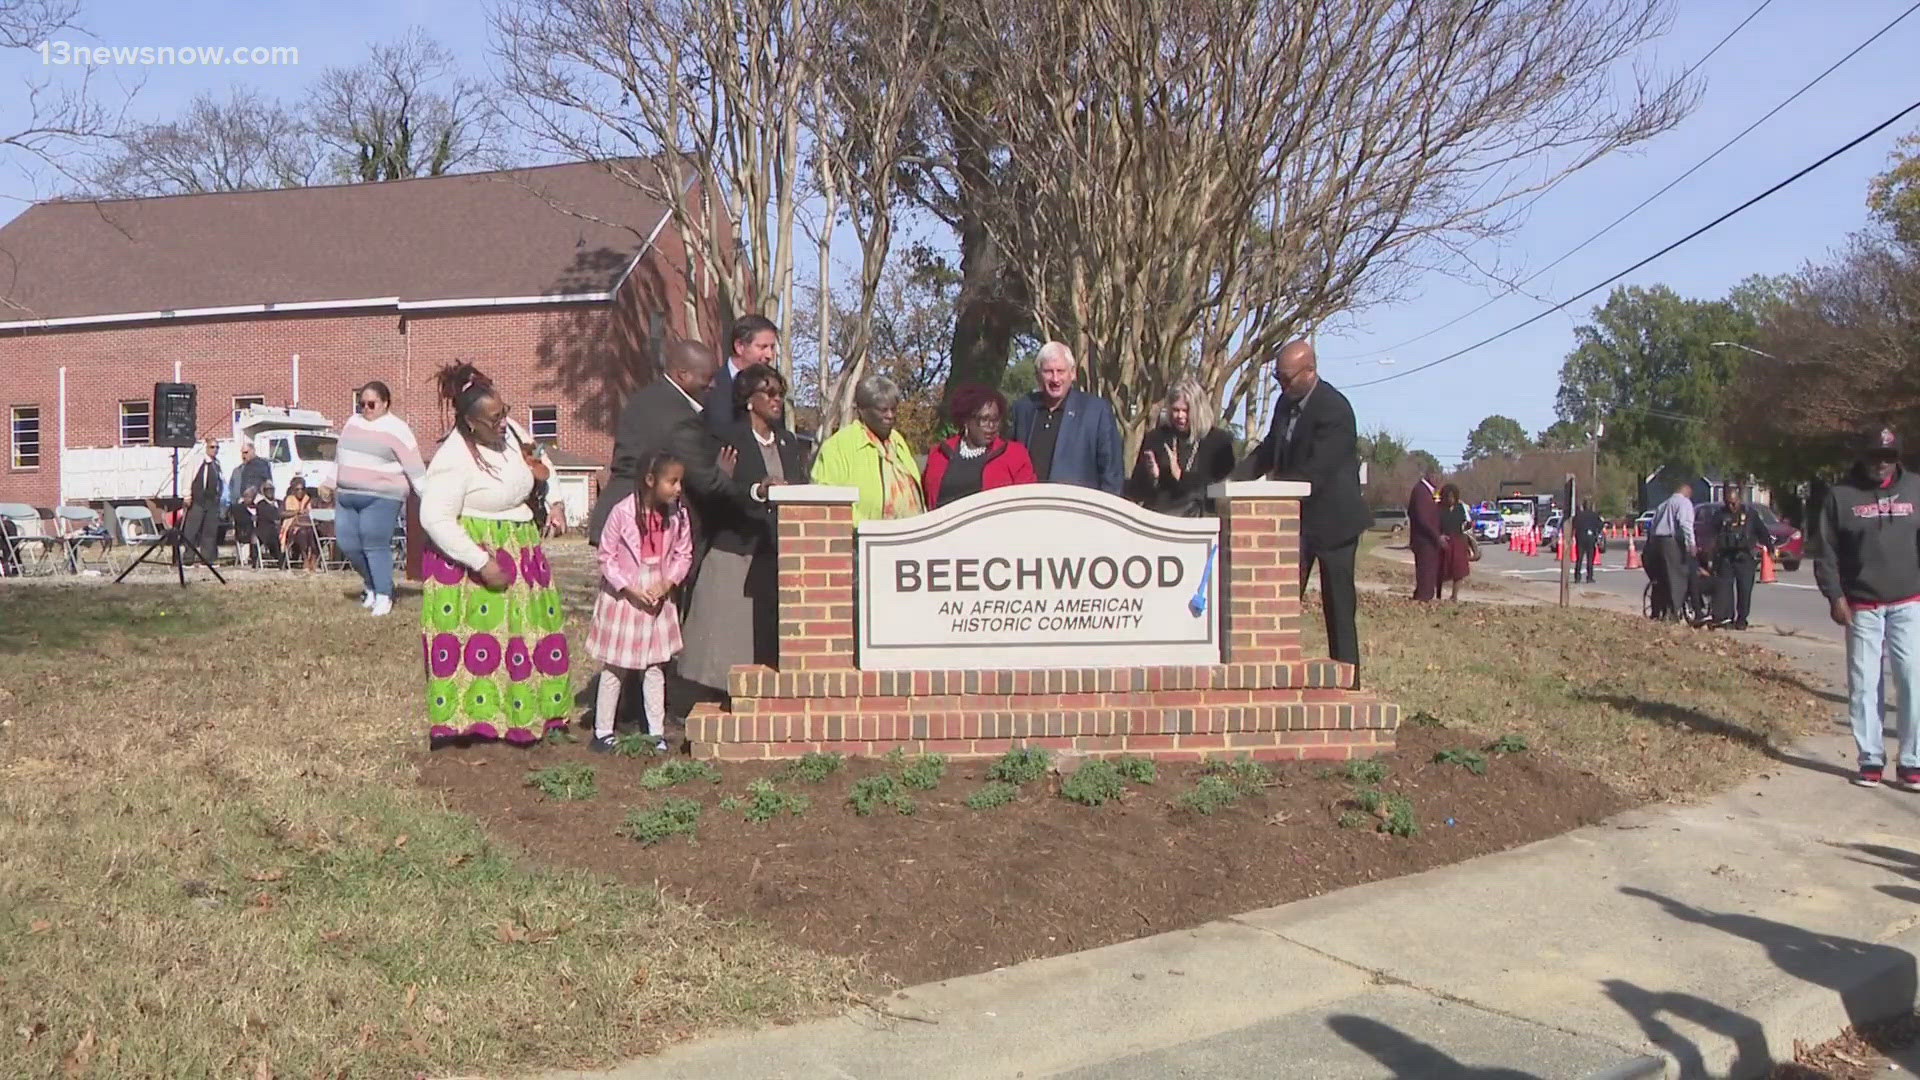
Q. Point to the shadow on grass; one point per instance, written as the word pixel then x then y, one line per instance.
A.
pixel 1681 716
pixel 55 619
pixel 1793 681
pixel 1405 1056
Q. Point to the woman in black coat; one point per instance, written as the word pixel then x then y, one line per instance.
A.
pixel 734 615
pixel 1182 455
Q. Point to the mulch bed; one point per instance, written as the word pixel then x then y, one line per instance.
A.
pixel 952 891
pixel 1856 1054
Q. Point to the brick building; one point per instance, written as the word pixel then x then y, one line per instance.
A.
pixel 561 282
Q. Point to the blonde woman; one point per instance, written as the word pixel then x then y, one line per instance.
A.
pixel 1183 454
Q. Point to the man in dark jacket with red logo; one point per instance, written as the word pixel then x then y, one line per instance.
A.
pixel 1866 542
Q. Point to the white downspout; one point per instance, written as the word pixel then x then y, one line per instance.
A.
pixel 296 379
pixel 61 480
pixel 176 371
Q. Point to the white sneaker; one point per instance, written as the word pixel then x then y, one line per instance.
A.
pixel 382 605
pixel 366 599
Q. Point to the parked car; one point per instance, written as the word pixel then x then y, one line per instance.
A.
pixel 1489 525
pixel 1642 523
pixel 1390 519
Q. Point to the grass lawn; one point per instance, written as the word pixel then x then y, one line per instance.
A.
pixel 1656 711
pixel 216 857
pixel 214 860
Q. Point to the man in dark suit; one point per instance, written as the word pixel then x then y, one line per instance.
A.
pixel 666 414
pixel 753 340
pixel 1070 434
pixel 1313 438
pixel 1423 536
pixel 201 527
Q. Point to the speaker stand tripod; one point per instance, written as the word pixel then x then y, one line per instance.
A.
pixel 175 537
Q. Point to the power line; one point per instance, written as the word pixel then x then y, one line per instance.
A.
pixel 1671 184
pixel 1597 286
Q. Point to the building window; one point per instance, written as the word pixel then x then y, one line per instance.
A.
pixel 241 402
pixel 543 423
pixel 26 436
pixel 136 423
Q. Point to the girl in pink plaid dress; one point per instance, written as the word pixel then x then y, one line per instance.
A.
pixel 645 550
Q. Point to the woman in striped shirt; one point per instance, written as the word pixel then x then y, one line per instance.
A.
pixel 376 459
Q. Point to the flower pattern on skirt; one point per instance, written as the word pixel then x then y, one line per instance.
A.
pixel 497 662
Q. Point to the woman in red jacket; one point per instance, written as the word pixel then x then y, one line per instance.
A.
pixel 977 459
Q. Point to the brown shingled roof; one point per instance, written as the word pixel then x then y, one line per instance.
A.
pixel 500 234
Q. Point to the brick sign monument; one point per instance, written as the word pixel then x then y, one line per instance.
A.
pixel 1043 615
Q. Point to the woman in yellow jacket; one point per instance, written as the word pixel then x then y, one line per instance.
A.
pixel 872 456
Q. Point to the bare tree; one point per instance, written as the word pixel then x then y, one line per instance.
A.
pixel 244 143
pixel 407 111
pixel 860 131
pixel 698 105
pixel 1194 183
pixel 50 122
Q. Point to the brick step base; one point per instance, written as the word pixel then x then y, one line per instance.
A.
pixel 1282 724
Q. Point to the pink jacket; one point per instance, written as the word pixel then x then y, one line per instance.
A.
pixel 623 565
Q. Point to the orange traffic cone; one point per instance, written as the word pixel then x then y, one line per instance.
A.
pixel 1767 576
pixel 1513 540
pixel 1633 554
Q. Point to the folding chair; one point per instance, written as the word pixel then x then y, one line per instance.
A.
pixel 31 548
pixel 82 531
pixel 323 530
pixel 137 528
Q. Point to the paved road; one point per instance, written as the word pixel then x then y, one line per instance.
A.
pixel 1792 603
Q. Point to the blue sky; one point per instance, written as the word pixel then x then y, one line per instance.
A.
pixel 1790 42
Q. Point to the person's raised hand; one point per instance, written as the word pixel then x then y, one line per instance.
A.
pixel 729 457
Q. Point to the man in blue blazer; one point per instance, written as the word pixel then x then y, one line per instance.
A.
pixel 1070 434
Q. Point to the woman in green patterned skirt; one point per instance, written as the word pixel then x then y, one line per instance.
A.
pixel 493 630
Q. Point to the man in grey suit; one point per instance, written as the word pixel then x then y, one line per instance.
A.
pixel 1070 434
pixel 666 414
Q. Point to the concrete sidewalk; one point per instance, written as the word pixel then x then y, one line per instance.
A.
pixel 1710 937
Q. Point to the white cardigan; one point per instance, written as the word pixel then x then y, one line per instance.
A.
pixel 456 487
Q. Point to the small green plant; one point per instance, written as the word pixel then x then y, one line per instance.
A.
pixel 1208 794
pixel 731 804
pixel 1509 744
pixel 1021 766
pixel 1400 820
pixel 1353 819
pixel 1245 774
pixel 637 744
pixel 1368 799
pixel 991 794
pixel 812 767
pixel 573 780
pixel 1473 761
pixel 679 771
pixel 1423 718
pixel 1096 782
pixel 881 789
pixel 924 772
pixel 765 802
pixel 1364 771
pixel 558 735
pixel 1137 769
pixel 674 816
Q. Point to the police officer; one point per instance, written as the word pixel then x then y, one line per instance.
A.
pixel 1736 532
pixel 1587 528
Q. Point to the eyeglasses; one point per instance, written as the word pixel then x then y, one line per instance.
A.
pixel 985 419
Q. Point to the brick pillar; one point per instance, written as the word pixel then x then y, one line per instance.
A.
pixel 1260 568
pixel 816 576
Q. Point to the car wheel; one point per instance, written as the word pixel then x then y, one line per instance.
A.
pixel 1790 565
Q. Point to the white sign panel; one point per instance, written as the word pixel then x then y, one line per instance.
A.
pixel 1037 576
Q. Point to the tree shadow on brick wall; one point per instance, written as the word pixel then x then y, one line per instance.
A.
pixel 593 356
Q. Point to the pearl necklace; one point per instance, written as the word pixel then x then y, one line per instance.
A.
pixel 969 451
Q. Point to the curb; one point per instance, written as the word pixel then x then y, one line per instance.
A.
pixel 1645 1067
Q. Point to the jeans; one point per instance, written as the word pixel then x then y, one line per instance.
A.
pixel 1896 629
pixel 1583 556
pixel 363 529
